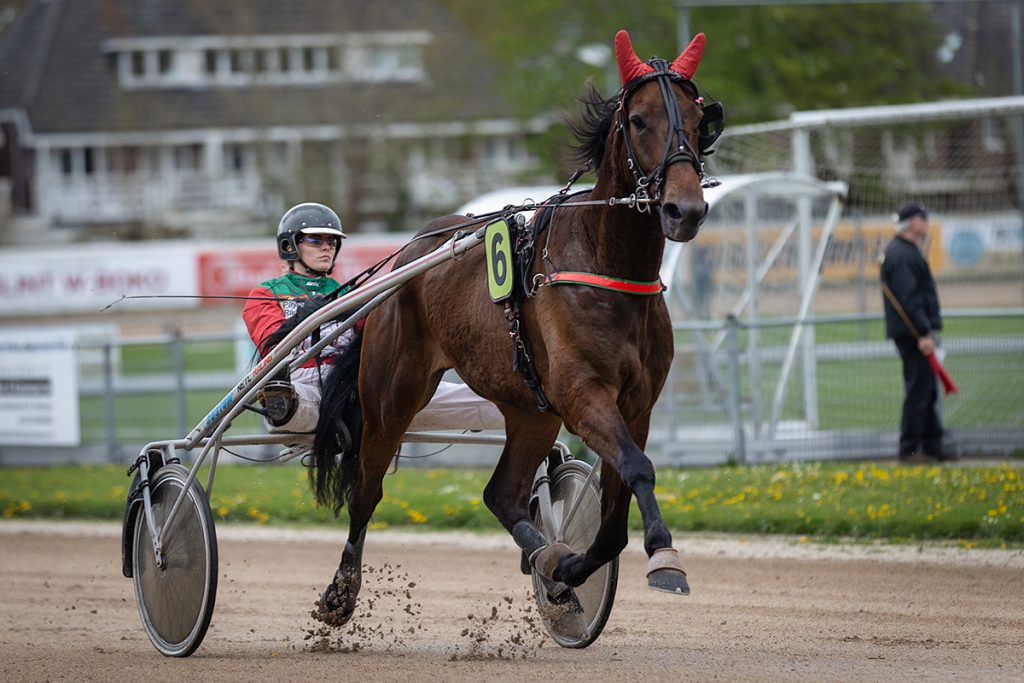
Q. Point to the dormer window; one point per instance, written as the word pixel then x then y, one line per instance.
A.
pixel 235 61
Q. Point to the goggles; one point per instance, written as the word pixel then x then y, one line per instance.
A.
pixel 320 240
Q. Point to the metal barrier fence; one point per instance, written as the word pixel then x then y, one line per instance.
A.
pixel 754 393
pixel 738 392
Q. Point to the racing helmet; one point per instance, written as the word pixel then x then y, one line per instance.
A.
pixel 308 218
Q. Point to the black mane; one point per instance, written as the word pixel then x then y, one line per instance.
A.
pixel 592 127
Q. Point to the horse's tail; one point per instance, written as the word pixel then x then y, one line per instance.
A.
pixel 338 431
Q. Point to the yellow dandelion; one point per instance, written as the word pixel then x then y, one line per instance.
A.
pixel 738 498
pixel 416 516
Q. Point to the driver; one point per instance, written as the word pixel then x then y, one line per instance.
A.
pixel 308 240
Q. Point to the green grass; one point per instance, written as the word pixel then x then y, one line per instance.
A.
pixel 972 505
pixel 148 417
pixel 198 357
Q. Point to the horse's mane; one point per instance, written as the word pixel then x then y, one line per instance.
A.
pixel 593 125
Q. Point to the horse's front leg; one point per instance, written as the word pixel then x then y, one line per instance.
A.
pixel 603 430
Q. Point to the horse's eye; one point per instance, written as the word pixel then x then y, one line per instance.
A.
pixel 637 122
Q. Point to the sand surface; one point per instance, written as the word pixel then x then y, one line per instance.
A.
pixel 454 607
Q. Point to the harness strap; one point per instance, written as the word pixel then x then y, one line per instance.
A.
pixel 522 360
pixel 604 282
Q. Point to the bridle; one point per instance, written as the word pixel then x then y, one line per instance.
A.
pixel 677 148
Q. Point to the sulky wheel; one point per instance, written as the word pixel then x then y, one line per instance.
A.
pixel 176 599
pixel 575 617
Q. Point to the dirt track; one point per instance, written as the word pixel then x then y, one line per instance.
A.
pixel 760 610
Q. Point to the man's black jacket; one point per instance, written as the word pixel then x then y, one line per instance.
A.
pixel 907 274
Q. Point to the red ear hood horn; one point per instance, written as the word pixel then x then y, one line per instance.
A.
pixel 686 63
pixel 631 67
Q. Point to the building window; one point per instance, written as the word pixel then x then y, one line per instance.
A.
pixel 165 60
pixel 385 63
pixel 236 157
pixel 188 157
pixel 67 162
pixel 138 64
pixel 234 61
pixel 210 61
pixel 131 160
pixel 90 160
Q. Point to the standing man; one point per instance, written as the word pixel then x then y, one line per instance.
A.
pixel 912 320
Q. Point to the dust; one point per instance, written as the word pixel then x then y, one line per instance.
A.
pixel 512 630
pixel 382 620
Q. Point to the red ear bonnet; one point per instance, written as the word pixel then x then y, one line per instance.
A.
pixel 686 63
pixel 631 66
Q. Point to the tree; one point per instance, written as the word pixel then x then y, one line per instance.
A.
pixel 762 62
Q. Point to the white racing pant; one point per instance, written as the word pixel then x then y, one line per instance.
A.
pixel 453 407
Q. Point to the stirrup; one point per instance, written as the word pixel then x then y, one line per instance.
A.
pixel 279 401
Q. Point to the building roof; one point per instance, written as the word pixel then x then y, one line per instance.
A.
pixel 56 69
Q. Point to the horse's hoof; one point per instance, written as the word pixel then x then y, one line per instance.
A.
pixel 668 581
pixel 545 560
pixel 665 572
pixel 337 604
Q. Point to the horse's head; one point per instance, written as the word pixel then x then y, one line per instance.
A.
pixel 665 131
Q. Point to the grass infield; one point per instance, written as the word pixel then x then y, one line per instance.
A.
pixel 979 506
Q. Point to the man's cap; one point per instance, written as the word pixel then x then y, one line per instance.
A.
pixel 911 210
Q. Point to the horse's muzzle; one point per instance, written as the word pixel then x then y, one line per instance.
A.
pixel 681 221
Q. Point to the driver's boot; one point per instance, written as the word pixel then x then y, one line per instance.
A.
pixel 279 400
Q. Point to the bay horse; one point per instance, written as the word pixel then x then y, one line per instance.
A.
pixel 601 354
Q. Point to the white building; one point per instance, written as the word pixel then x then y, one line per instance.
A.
pixel 195 118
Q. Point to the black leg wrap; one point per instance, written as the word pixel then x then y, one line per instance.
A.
pixel 528 537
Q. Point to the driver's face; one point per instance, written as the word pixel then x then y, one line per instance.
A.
pixel 317 251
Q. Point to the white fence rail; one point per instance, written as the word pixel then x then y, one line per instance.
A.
pixel 713 409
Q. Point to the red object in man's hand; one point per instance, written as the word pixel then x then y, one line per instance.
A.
pixel 940 372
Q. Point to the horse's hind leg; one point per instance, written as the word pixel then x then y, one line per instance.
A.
pixel 388 408
pixel 338 602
